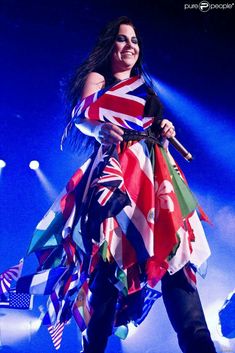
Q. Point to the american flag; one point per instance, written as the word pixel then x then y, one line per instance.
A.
pixel 13 273
pixel 15 300
pixel 56 333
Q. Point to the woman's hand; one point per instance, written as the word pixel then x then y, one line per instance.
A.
pixel 167 129
pixel 108 134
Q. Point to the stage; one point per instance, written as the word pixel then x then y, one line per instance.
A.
pixel 190 54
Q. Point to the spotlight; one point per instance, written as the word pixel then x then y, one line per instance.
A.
pixel 132 329
pixel 48 187
pixel 34 165
pixel 17 329
pixel 194 115
pixel 213 322
pixel 2 163
pixel 35 324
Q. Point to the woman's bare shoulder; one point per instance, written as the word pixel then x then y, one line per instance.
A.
pixel 94 82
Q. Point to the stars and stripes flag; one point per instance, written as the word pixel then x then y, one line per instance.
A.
pixel 56 333
pixel 19 301
pixel 13 273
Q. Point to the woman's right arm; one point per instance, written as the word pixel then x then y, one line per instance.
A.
pixel 105 133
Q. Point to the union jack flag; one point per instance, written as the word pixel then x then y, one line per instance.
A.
pixel 130 220
pixel 107 193
pixel 111 178
pixel 122 105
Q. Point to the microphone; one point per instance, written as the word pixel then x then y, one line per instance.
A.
pixel 180 148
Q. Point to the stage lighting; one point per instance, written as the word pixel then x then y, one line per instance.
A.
pixel 211 312
pixel 218 134
pixel 132 329
pixel 34 165
pixel 2 163
pixel 35 324
pixel 17 328
pixel 50 190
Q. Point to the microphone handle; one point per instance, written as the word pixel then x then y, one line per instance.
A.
pixel 181 149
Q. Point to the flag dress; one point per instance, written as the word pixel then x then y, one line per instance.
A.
pixel 127 206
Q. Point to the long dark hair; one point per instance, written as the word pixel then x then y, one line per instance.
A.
pixel 99 60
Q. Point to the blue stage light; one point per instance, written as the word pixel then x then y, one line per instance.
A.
pixel 216 134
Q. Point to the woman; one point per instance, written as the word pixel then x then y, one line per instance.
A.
pixel 128 217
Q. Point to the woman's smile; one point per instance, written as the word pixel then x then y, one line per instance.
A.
pixel 126 50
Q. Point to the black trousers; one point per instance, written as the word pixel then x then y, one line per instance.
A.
pixel 103 301
pixel 182 304
pixel 186 315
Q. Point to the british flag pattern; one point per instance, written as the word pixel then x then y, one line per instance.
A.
pixel 127 205
pixel 122 105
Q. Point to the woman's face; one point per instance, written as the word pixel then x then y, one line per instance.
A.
pixel 126 49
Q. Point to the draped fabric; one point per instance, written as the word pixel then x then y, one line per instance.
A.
pixel 127 205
